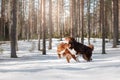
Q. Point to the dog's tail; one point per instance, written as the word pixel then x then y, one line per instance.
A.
pixel 91 46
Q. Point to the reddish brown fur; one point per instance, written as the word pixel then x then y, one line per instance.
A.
pixel 66 53
pixel 61 47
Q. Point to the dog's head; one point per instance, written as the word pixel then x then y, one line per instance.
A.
pixel 62 46
pixel 72 44
pixel 69 39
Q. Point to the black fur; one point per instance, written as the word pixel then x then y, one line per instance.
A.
pixel 82 49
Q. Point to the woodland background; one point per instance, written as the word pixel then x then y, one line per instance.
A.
pixel 47 19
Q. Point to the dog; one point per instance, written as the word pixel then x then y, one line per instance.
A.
pixel 63 51
pixel 81 49
pixel 61 48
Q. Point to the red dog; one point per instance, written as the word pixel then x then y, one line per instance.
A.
pixel 62 50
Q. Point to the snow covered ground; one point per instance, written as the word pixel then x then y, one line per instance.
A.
pixel 31 65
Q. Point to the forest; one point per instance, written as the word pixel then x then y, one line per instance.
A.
pixel 47 19
pixel 32 30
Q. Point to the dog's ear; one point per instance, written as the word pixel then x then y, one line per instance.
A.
pixel 73 40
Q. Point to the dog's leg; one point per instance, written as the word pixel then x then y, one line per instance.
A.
pixel 89 57
pixel 59 55
pixel 85 57
pixel 68 57
pixel 75 58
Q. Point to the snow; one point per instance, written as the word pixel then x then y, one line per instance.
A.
pixel 32 65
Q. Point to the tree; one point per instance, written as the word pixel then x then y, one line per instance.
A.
pixel 103 25
pixel 88 9
pixel 58 17
pixel 2 26
pixel 43 27
pixel 39 23
pixel 13 28
pixel 82 20
pixel 31 17
pixel 8 17
pixel 73 18
pixel 115 23
pixel 61 17
pixel 50 24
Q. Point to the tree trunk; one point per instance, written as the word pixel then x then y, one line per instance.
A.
pixel 13 29
pixel 73 18
pixel 103 25
pixel 23 22
pixel 43 27
pixel 2 26
pixel 61 19
pixel 39 23
pixel 58 17
pixel 88 21
pixel 50 24
pixel 115 23
pixel 82 20
pixel 8 17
